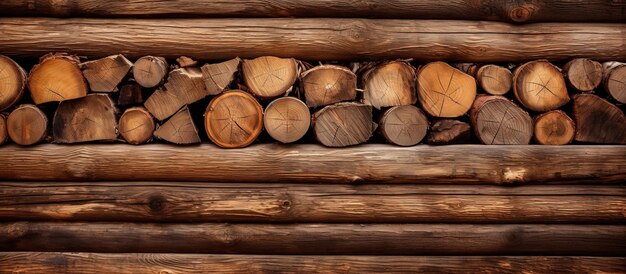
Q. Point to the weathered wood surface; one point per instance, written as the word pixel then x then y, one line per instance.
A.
pixel 315 163
pixel 55 262
pixel 314 39
pixel 509 10
pixel 215 202
pixel 328 239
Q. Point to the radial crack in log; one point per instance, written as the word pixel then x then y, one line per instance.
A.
pixel 614 75
pixel 269 77
pixel 540 86
pixel 184 86
pixel 554 128
pixel 495 80
pixel 444 91
pixel 498 121
pixel 389 84
pixel 27 125
pixel 57 77
pixel 598 121
pixel 343 124
pixel 217 77
pixel 233 119
pixel 179 129
pixel 287 119
pixel 12 82
pixel 103 75
pixel 403 125
pixel 136 125
pixel 583 74
pixel 328 84
pixel 91 118
pixel 149 71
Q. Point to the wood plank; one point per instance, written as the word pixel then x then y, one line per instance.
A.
pixel 53 262
pixel 510 11
pixel 331 239
pixel 233 202
pixel 314 163
pixel 314 39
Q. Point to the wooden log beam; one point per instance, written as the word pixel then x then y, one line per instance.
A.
pixel 314 39
pixel 57 262
pixel 510 11
pixel 218 202
pixel 315 163
pixel 310 239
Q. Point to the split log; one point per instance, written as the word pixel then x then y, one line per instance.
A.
pixel 136 125
pixel 91 118
pixel 495 80
pixel 217 77
pixel 328 84
pixel 183 87
pixel 498 121
pixel 615 80
pixel 149 71
pixel 583 74
pixel 369 163
pixel 403 125
pixel 313 39
pixel 343 124
pixel 554 128
pixel 27 125
pixel 332 239
pixel 103 75
pixel 57 77
pixel 179 129
pixel 444 91
pixel 447 132
pixel 389 84
pixel 598 121
pixel 130 94
pixel 269 77
pixel 12 82
pixel 470 69
pixel 4 135
pixel 540 86
pixel 185 61
pixel 233 119
pixel 287 119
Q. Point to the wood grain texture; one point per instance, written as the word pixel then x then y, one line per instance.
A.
pixel 507 10
pixel 328 239
pixel 314 39
pixel 315 163
pixel 219 202
pixel 56 262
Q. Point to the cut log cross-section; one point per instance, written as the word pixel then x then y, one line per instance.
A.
pixel 403 125
pixel 233 119
pixel 27 125
pixel 390 84
pixel 494 80
pixel 269 77
pixel 287 119
pixel 447 131
pixel 343 124
pixel 57 77
pixel 91 118
pixel 184 86
pixel 217 77
pixel 12 82
pixel 149 71
pixel 180 129
pixel 498 121
pixel 444 91
pixel 583 74
pixel 4 135
pixel 615 80
pixel 103 75
pixel 540 86
pixel 554 128
pixel 598 121
pixel 136 125
pixel 328 84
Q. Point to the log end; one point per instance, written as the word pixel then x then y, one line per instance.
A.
pixel 498 121
pixel 554 128
pixel 540 86
pixel 495 80
pixel 136 125
pixel 179 129
pixel 583 74
pixel 328 84
pixel 218 77
pixel 287 119
pixel 269 77
pixel 343 124
pixel 233 119
pixel 390 84
pixel 104 75
pixel 598 121
pixel 44 80
pixel 91 118
pixel 12 83
pixel 403 125
pixel 444 91
pixel 27 125
pixel 149 71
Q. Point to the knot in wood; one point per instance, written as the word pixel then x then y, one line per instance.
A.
pixel 356 32
pixel 157 203
pixel 521 14
pixel 16 230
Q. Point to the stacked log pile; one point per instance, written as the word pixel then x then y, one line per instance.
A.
pixel 317 137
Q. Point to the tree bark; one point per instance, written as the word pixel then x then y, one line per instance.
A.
pixel 495 80
pixel 27 125
pixel 539 86
pixel 343 124
pixel 233 119
pixel 598 121
pixel 328 84
pixel 218 77
pixel 13 82
pixel 183 87
pixel 583 74
pixel 447 132
pixel 179 129
pixel 149 71
pixel 444 91
pixel 287 119
pixel 57 77
pixel 136 125
pixel 91 118
pixel 403 125
pixel 498 121
pixel 269 77
pixel 104 75
pixel 554 128
pixel 389 84
pixel 615 80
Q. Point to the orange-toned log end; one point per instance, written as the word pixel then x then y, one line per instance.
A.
pixel 269 77
pixel 495 80
pixel 218 77
pixel 233 119
pixel 149 71
pixel 390 84
pixel 27 125
pixel 444 91
pixel 403 125
pixel 343 124
pixel 448 131
pixel 104 75
pixel 287 119
pixel 57 77
pixel 598 121
pixel 4 135
pixel 179 129
pixel 328 84
pixel 554 128
pixel 583 74
pixel 12 82
pixel 540 86
pixel 615 80
pixel 91 118
pixel 498 121
pixel 136 125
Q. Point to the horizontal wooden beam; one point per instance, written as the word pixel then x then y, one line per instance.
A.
pixel 53 262
pixel 232 202
pixel 510 11
pixel 315 163
pixel 312 239
pixel 313 39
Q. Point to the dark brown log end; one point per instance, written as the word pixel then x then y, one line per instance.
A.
pixel 91 118
pixel 470 69
pixel 233 119
pixel 269 77
pixel 149 71
pixel 343 124
pixel 104 75
pixel 498 121
pixel 136 125
pixel 184 86
pixel 218 77
pixel 57 77
pixel 403 125
pixel 554 128
pixel 447 132
pixel 12 83
pixel 540 86
pixel 4 135
pixel 27 125
pixel 615 80
pixel 287 119
pixel 598 121
pixel 179 129
pixel 495 80
pixel 445 91
pixel 390 84
pixel 130 94
pixel 328 84
pixel 583 74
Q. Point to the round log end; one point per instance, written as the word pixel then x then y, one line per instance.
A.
pixel 495 80
pixel 498 121
pixel 343 124
pixel 404 125
pixel 136 125
pixel 269 77
pixel 554 128
pixel 598 121
pixel 583 74
pixel 27 125
pixel 390 84
pixel 615 83
pixel 540 86
pixel 12 83
pixel 328 84
pixel 149 71
pixel 179 129
pixel 445 91
pixel 4 135
pixel 233 119
pixel 287 119
pixel 56 78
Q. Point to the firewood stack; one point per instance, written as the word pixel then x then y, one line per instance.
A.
pixel 186 104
